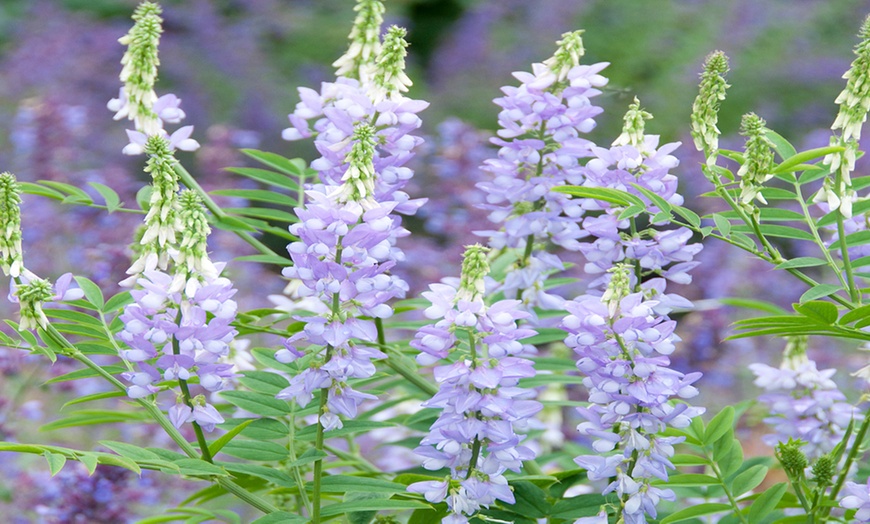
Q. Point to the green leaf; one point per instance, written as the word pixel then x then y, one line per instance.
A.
pixel 92 291
pixel 658 201
pixel 30 188
pixel 856 314
pixel 689 460
pixel 722 224
pixel 265 176
pixel 614 196
pixel 692 479
pixel 363 517
pixel 819 291
pixel 93 397
pixel 264 382
pixel 277 477
pixel 695 510
pixel 720 425
pixel 345 483
pixel 311 455
pixel 218 444
pixel 130 451
pixel 197 467
pixel 811 175
pixel 545 336
pixel 257 403
pixel 818 310
pixel 691 217
pixel 766 502
pixel 730 460
pixel 76 195
pixel 264 213
pixel 93 417
pixel 370 505
pixel 55 462
pixel 775 193
pixel 86 373
pixel 748 479
pixel 259 195
pixel 295 166
pixel 795 160
pixel 350 427
pixel 280 517
pixel 117 302
pixel 277 260
pixel 772 230
pixel 531 501
pixel 113 201
pixel 801 262
pixel 749 303
pixel 782 146
pixel 576 507
pixel 257 450
pixel 631 211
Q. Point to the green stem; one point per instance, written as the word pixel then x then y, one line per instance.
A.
pixel 157 414
pixel 318 464
pixel 291 448
pixel 847 263
pixel 727 491
pixel 185 394
pixel 850 459
pixel 475 455
pixel 818 239
pixel 395 362
pixel 215 209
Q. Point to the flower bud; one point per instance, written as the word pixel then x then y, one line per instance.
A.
pixel 758 162
pixel 793 460
pixel 475 267
pixel 11 255
pixel 390 79
pixel 365 42
pixel 705 109
pixel 567 55
pixel 824 470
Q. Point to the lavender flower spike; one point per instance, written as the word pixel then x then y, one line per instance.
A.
pixel 623 348
pixel 476 435
pixel 342 259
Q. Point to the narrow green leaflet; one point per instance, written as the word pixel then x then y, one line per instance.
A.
pixel 113 201
pixel 265 176
pixel 782 146
pixel 801 262
pixel 295 166
pixel 790 163
pixel 819 291
pixel 696 510
pixel 819 311
pixel 748 479
pixel 766 502
pixel 93 293
pixel 368 505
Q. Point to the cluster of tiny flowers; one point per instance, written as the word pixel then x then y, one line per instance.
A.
pixel 11 256
pixel 342 259
pixel 348 101
pixel 756 169
pixel 857 496
pixel 623 345
pixel 635 159
pixel 854 102
pixel 542 121
pixel 705 109
pixel 482 408
pixel 137 100
pixel 176 334
pixel 804 402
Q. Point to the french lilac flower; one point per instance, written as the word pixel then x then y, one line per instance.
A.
pixel 542 122
pixel 623 346
pixel 857 496
pixel 804 402
pixel 482 408
pixel 342 259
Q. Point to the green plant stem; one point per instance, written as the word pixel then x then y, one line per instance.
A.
pixel 393 362
pixel 850 459
pixel 215 209
pixel 475 455
pixel 731 499
pixel 818 239
pixel 291 448
pixel 847 263
pixel 157 414
pixel 188 401
pixel 318 464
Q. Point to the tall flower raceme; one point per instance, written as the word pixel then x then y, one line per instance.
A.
pixel 636 159
pixel 365 42
pixel 179 326
pixel 804 402
pixel 623 346
pixel 756 169
pixel 137 100
pixel 345 250
pixel 854 102
pixel 26 289
pixel 542 122
pixel 375 99
pixel 483 410
pixel 705 109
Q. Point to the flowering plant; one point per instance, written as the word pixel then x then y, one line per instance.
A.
pixel 493 396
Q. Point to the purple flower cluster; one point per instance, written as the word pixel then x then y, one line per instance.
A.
pixel 804 404
pixel 180 334
pixel 342 259
pixel 482 407
pixel 336 110
pixel 623 343
pixel 857 496
pixel 540 141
